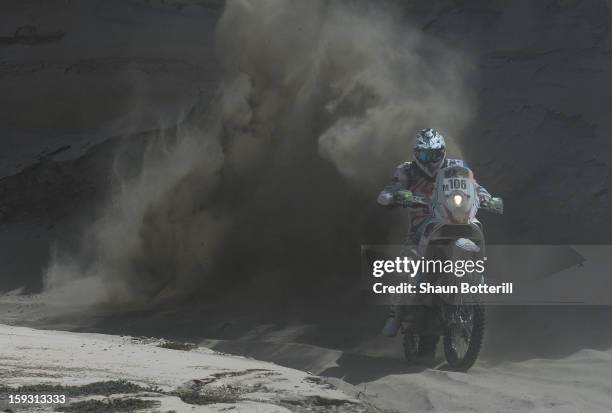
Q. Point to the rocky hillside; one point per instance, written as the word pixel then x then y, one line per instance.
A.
pixel 541 135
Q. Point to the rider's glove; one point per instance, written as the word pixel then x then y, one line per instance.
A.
pixel 402 198
pixel 495 205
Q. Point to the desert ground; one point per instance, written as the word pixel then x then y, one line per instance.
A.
pixel 94 370
pixel 271 373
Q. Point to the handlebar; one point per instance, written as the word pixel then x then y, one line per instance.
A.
pixel 495 205
pixel 408 200
pixel 418 201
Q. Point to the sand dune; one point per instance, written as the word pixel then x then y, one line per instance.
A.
pixel 581 382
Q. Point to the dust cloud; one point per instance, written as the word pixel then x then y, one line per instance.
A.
pixel 274 187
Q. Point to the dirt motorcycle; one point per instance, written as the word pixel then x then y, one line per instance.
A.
pixel 452 233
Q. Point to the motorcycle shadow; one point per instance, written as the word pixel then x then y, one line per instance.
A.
pixel 358 368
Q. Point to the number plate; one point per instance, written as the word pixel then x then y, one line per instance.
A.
pixel 454 184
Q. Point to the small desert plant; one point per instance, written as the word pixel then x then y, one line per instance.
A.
pixel 212 395
pixel 177 345
pixel 100 388
pixel 109 406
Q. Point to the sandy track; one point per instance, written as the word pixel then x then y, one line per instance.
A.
pixel 581 382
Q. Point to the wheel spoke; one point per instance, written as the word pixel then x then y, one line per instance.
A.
pixel 462 331
pixel 463 338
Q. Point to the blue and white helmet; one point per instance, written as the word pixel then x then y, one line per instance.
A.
pixel 429 151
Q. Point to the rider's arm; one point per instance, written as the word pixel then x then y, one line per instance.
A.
pixel 488 202
pixel 399 182
pixel 483 195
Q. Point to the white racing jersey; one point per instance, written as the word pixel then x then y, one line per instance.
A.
pixel 408 176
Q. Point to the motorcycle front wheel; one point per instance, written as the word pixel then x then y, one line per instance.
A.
pixel 463 336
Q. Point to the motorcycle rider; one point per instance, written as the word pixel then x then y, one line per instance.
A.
pixel 418 177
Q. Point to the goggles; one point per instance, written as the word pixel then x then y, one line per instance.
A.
pixel 429 155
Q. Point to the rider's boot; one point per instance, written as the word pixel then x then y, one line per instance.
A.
pixel 394 321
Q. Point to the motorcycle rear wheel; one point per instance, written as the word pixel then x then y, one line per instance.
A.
pixel 411 345
pixel 418 346
pixel 469 325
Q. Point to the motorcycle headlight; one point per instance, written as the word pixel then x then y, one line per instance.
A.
pixel 457 200
pixel 458 207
